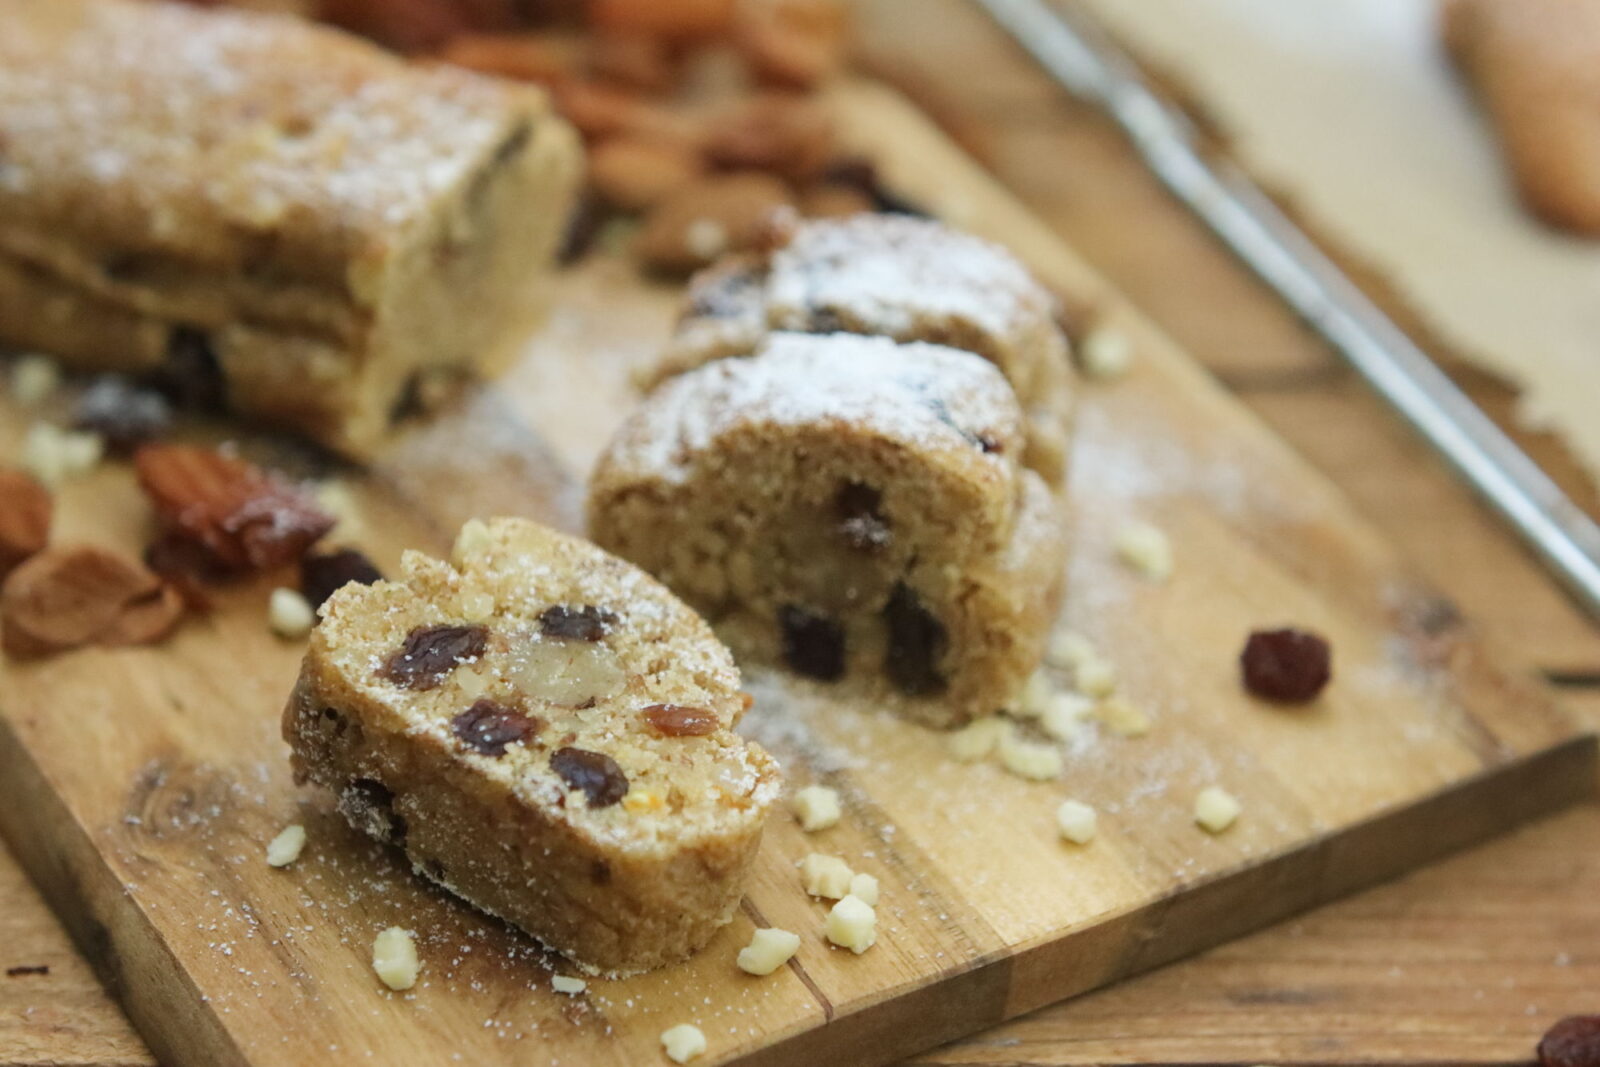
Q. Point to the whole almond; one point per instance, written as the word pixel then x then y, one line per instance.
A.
pixel 62 598
pixel 702 221
pixel 25 509
pixel 635 174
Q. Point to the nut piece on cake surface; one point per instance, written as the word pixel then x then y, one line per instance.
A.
pixel 910 553
pixel 500 752
pixel 899 277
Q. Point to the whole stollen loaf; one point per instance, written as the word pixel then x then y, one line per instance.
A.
pixel 548 733
pixel 264 211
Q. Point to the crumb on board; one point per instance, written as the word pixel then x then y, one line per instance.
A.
pixel 1076 821
pixel 683 1042
pixel 286 847
pixel 394 958
pixel 852 924
pixel 1215 809
pixel 769 949
pixel 817 807
pixel 825 876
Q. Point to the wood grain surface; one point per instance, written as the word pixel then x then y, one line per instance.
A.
pixel 1465 962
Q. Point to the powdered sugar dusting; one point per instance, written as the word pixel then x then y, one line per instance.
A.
pixel 926 395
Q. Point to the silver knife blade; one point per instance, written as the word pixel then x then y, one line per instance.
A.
pixel 1079 56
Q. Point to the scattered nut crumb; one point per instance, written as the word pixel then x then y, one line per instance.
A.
pixel 852 924
pixel 769 949
pixel 1077 821
pixel 1030 704
pixel 864 887
pixel 1029 759
pixel 683 1042
pixel 563 983
pixel 53 455
pixel 285 848
pixel 1146 549
pixel 1215 809
pixel 1064 716
pixel 289 614
pixel 33 379
pixel 1095 677
pixel 825 876
pixel 394 957
pixel 977 739
pixel 1122 717
pixel 1068 648
pixel 1105 354
pixel 817 807
pixel 472 540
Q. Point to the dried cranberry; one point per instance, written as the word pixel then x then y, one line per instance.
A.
pixel 488 727
pixel 579 624
pixel 597 774
pixel 124 415
pixel 431 652
pixel 322 573
pixel 813 645
pixel 917 641
pixel 1287 665
pixel 675 720
pixel 861 523
pixel 1572 1042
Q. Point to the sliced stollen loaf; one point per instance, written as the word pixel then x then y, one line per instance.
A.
pixel 850 507
pixel 892 276
pixel 548 733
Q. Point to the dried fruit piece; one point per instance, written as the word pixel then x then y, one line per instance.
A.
pixel 123 414
pixel 917 642
pixel 587 623
pixel 25 510
pixel 861 523
pixel 322 573
pixel 813 645
pixel 1288 665
pixel 706 219
pixel 1572 1042
pixel 245 517
pixel 66 597
pixel 430 653
pixel 489 726
pixel 675 720
pixel 596 773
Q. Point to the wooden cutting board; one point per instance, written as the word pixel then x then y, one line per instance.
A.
pixel 139 787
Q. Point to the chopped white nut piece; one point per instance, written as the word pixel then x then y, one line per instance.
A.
pixel 852 924
pixel 476 606
pixel 394 957
pixel 769 949
pixel 473 538
pixel 53 455
pixel 1068 648
pixel 1095 677
pixel 977 739
pixel 1030 759
pixel 1035 695
pixel 1076 821
pixel 285 848
pixel 683 1042
pixel 290 614
pixel 1122 717
pixel 1064 716
pixel 1105 354
pixel 563 983
pixel 706 238
pixel 1146 549
pixel 1215 809
pixel 864 887
pixel 817 807
pixel 825 876
pixel 33 379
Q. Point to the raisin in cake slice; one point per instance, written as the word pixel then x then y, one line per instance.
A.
pixel 851 508
pixel 547 732
pixel 893 276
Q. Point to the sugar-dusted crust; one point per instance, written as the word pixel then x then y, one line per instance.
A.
pixel 850 507
pixel 329 219
pixel 893 276
pixel 618 882
pixel 1536 65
